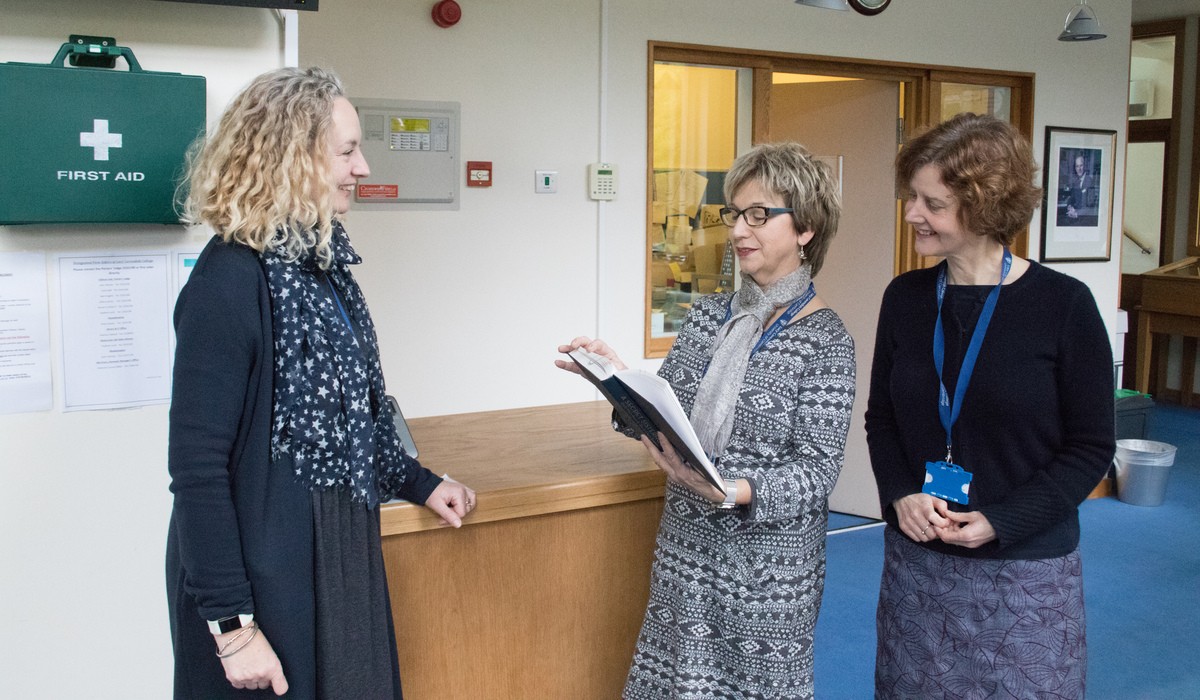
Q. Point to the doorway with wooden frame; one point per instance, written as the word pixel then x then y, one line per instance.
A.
pixel 707 105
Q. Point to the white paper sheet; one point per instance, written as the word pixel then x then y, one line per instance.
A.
pixel 25 378
pixel 116 332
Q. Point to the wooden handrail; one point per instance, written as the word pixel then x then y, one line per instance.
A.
pixel 1141 246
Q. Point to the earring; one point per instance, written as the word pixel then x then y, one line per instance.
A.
pixel 803 257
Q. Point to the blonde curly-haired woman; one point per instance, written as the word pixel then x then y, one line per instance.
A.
pixel 282 444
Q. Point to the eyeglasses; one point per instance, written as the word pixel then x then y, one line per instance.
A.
pixel 753 216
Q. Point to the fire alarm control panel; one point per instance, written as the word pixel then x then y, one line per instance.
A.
pixel 412 147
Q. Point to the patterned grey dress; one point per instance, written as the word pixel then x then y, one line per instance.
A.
pixel 735 594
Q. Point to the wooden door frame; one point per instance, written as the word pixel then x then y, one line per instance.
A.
pixel 1193 222
pixel 918 86
pixel 1164 130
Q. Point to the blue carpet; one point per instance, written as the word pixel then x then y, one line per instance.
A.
pixel 843 521
pixel 1141 569
pixel 845 637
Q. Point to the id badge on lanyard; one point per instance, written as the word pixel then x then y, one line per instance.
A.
pixel 945 479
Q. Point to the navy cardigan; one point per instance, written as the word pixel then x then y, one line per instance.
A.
pixel 241 535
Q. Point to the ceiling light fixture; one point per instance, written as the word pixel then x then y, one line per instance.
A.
pixel 1081 24
pixel 862 7
pixel 827 4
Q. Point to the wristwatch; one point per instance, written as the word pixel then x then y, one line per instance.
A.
pixel 731 492
pixel 229 624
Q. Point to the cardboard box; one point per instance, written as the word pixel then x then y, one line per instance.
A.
pixel 710 235
pixel 710 215
pixel 680 191
pixel 708 258
pixel 659 273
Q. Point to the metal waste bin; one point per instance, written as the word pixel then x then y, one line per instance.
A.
pixel 1142 469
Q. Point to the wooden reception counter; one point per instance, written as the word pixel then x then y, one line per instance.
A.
pixel 540 594
pixel 1169 307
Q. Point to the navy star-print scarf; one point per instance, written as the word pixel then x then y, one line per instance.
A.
pixel 330 412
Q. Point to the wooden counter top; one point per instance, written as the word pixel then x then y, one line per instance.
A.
pixel 529 461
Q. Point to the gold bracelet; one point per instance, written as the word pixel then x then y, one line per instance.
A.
pixel 253 629
pixel 237 636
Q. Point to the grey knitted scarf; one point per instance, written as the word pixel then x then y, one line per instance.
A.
pixel 712 412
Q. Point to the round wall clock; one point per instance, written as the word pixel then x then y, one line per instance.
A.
pixel 869 7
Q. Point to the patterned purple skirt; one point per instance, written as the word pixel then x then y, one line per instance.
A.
pixel 954 627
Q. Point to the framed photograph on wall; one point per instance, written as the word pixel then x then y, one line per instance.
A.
pixel 1078 182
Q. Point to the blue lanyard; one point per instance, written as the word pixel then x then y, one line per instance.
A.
pixel 338 300
pixel 949 412
pixel 780 323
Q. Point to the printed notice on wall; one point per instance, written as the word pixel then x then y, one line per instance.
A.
pixel 25 383
pixel 116 332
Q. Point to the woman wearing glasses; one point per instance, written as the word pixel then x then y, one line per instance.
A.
pixel 766 375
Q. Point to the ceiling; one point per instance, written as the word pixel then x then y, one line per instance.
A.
pixel 1150 10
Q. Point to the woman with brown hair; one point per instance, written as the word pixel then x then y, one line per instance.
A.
pixel 990 419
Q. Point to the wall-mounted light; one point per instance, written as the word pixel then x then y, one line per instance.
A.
pixel 1081 24
pixel 862 7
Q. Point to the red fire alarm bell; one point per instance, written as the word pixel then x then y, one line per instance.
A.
pixel 446 13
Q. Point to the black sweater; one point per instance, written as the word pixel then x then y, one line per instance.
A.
pixel 1036 426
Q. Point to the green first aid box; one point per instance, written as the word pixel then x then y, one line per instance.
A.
pixel 92 144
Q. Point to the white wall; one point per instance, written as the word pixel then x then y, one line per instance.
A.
pixel 1143 207
pixel 470 303
pixel 530 104
pixel 84 503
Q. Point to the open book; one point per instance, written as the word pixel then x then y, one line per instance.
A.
pixel 647 405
